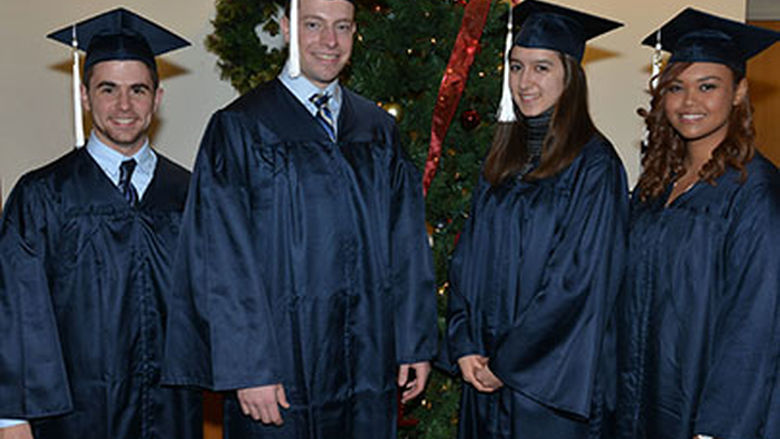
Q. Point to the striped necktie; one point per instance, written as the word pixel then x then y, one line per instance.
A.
pixel 125 185
pixel 324 116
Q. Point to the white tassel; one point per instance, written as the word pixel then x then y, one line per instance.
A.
pixel 657 60
pixel 78 123
pixel 295 57
pixel 506 109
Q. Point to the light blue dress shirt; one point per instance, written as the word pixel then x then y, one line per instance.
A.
pixel 303 89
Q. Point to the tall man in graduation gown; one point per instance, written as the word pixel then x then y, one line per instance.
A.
pixel 303 256
pixel 86 243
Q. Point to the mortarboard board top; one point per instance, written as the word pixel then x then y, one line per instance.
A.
pixel 120 34
pixel 548 26
pixel 697 36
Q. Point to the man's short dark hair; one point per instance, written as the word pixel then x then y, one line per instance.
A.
pixel 152 72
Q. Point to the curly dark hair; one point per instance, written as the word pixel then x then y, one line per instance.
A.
pixel 663 158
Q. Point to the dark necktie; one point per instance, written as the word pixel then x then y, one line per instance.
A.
pixel 125 185
pixel 324 116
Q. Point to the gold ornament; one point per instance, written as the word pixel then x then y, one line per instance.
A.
pixel 394 109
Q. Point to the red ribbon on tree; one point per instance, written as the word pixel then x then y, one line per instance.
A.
pixel 454 81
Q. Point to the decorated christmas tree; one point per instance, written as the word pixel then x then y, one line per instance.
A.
pixel 406 59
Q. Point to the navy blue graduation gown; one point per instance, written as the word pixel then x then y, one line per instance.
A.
pixel 534 279
pixel 303 262
pixel 699 316
pixel 83 283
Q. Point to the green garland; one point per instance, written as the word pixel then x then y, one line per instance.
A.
pixel 243 59
pixel 399 56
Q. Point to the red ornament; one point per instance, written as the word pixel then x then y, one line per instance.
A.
pixel 470 119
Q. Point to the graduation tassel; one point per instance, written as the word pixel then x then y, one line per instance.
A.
pixel 506 109
pixel 78 123
pixel 656 62
pixel 295 59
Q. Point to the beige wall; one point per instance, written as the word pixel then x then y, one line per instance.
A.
pixel 35 105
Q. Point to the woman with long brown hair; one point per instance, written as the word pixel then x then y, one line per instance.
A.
pixel 699 322
pixel 538 264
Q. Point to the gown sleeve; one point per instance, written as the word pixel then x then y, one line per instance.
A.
pixel 412 266
pixel 33 379
pixel 552 353
pixel 462 324
pixel 743 363
pixel 220 328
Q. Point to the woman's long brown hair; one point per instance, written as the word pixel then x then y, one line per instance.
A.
pixel 571 128
pixel 663 159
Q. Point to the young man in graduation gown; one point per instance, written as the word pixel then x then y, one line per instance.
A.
pixel 303 257
pixel 86 243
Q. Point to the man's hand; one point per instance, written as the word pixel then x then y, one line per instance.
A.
pixel 472 368
pixel 262 403
pixel 488 379
pixel 415 387
pixel 21 431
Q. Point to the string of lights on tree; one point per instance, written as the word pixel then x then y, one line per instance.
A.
pixel 401 55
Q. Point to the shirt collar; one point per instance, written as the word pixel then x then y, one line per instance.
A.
pixel 303 89
pixel 109 159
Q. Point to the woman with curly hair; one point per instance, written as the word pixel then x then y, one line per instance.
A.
pixel 699 320
pixel 538 265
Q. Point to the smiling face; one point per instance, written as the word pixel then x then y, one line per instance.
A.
pixel 699 101
pixel 326 31
pixel 537 79
pixel 122 99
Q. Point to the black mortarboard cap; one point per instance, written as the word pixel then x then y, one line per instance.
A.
pixel 548 26
pixel 114 35
pixel 696 36
pixel 120 34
